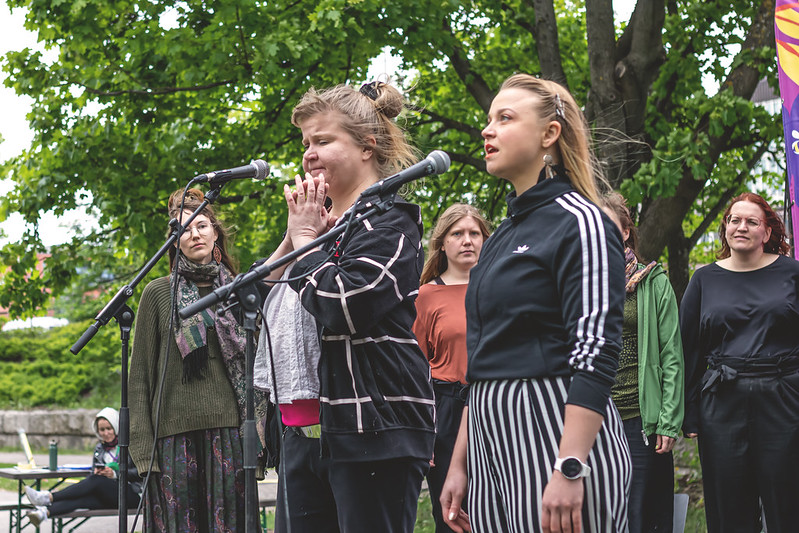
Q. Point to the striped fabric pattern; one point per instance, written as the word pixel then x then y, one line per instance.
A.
pixel 591 326
pixel 380 274
pixel 374 378
pixel 514 432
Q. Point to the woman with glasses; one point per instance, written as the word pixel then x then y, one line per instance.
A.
pixel 197 481
pixel 740 327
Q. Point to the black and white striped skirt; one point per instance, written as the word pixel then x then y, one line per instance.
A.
pixel 514 433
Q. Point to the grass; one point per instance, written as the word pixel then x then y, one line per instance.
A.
pixel 688 479
pixel 8 484
pixel 424 515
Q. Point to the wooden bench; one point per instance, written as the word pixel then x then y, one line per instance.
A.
pixel 263 505
pixel 75 519
pixel 12 512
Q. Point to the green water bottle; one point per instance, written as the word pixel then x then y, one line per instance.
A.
pixel 53 455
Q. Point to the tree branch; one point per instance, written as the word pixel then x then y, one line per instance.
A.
pixel 242 41
pixel 256 195
pixel 155 92
pixel 479 164
pixel 727 195
pixel 473 82
pixel 448 122
pixel 601 55
pixel 546 31
pixel 636 71
pixel 605 106
pixel 664 216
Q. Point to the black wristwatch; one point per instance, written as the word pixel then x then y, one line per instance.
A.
pixel 572 467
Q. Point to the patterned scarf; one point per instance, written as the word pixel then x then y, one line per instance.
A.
pixel 632 273
pixel 191 335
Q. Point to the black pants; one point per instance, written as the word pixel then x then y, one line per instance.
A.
pixel 749 448
pixel 350 497
pixel 450 400
pixel 651 505
pixel 93 492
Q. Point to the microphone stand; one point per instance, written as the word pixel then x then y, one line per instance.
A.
pixel 249 300
pixel 118 309
pixel 224 292
pixel 243 286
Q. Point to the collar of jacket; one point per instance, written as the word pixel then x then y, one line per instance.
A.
pixel 365 202
pixel 543 192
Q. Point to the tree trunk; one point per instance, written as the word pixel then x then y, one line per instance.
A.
pixel 679 250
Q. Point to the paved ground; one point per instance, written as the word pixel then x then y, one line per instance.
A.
pixel 266 489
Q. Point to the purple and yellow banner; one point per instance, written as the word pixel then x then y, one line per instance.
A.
pixel 786 26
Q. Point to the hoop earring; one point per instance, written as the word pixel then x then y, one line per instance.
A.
pixel 217 253
pixel 549 163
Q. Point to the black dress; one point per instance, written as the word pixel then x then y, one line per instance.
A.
pixel 741 342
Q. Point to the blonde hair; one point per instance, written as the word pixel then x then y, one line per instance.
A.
pixel 436 263
pixel 573 145
pixel 366 114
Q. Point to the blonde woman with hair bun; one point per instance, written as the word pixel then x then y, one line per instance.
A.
pixel 352 385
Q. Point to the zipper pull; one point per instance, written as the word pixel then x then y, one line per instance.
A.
pixel 646 440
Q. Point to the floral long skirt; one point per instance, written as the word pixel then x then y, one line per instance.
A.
pixel 201 484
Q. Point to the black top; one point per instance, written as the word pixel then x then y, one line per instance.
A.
pixel 748 315
pixel 546 297
pixel 134 479
pixel 625 391
pixel 375 391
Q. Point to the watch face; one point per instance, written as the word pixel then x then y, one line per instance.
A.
pixel 571 468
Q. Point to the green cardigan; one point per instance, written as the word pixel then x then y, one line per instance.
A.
pixel 661 368
pixel 200 404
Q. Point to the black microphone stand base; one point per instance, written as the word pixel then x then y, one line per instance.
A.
pixel 124 318
pixel 249 304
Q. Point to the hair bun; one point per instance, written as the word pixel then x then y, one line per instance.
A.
pixel 388 100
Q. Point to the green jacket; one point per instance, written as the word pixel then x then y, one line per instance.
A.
pixel 661 368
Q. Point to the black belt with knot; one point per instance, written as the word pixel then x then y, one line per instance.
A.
pixel 727 369
pixel 451 388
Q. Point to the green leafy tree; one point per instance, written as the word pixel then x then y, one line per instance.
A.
pixel 143 95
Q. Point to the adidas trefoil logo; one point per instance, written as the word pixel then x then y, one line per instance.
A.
pixel 521 249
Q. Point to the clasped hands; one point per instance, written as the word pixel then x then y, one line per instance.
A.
pixel 308 218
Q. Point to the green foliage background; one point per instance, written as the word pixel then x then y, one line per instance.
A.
pixel 133 98
pixel 38 370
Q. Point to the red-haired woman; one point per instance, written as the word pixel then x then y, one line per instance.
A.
pixel 740 326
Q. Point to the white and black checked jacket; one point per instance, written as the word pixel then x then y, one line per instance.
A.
pixel 375 389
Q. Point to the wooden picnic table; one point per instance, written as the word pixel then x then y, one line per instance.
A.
pixel 34 477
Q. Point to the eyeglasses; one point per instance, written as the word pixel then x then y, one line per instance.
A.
pixel 751 222
pixel 203 228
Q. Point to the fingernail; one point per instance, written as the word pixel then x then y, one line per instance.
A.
pixel 452 516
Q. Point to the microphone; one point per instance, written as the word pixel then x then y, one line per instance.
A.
pixel 257 169
pixel 436 162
